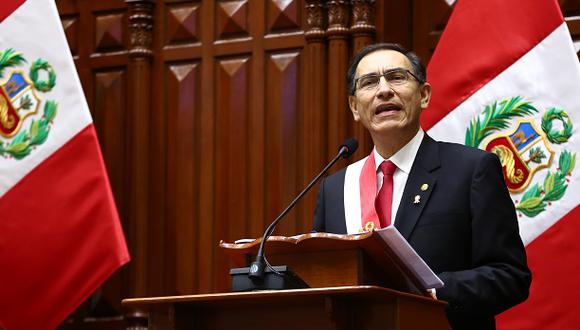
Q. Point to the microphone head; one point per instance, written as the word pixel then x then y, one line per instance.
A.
pixel 348 147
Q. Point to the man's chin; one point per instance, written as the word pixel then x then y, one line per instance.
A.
pixel 387 128
pixel 386 122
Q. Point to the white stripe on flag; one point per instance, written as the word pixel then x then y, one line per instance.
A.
pixel 22 32
pixel 548 76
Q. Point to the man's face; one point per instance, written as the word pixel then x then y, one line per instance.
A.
pixel 389 109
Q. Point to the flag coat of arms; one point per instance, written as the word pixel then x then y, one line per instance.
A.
pixel 60 235
pixel 506 79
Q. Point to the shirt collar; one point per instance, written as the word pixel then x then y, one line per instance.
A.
pixel 405 156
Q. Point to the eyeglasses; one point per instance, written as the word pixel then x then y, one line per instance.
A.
pixel 395 77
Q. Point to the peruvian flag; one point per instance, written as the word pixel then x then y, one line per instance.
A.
pixel 60 235
pixel 506 79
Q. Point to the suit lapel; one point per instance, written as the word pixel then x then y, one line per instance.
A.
pixel 335 211
pixel 419 187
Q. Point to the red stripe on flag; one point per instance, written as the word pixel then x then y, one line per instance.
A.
pixel 554 261
pixel 60 236
pixel 8 7
pixel 478 43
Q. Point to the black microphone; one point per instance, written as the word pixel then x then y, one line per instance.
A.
pixel 258 266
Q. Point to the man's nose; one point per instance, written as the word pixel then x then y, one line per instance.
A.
pixel 384 88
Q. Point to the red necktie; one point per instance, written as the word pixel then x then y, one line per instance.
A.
pixel 384 200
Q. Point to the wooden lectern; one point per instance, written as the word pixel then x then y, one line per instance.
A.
pixel 356 282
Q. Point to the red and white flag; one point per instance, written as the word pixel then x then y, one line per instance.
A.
pixel 60 235
pixel 506 79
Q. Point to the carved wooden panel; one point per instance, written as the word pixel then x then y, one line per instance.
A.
pixel 70 24
pixel 232 114
pixel 232 97
pixel 232 19
pixel 109 33
pixel 182 104
pixel 183 23
pixel 110 121
pixel 283 15
pixel 282 146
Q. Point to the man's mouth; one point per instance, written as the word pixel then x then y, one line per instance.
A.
pixel 387 107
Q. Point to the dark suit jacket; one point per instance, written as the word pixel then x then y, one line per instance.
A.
pixel 465 228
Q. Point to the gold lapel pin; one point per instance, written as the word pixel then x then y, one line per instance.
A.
pixel 424 187
pixel 417 199
pixel 369 226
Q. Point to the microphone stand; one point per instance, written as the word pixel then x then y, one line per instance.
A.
pixel 254 276
pixel 257 267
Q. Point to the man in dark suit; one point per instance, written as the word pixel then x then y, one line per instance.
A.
pixel 449 201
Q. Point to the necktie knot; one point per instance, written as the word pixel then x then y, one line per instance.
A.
pixel 387 167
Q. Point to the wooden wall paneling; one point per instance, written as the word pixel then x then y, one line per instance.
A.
pixel 429 20
pixel 97 36
pixel 110 120
pixel 239 26
pixel 571 11
pixel 141 20
pixel 340 123
pixel 232 114
pixel 314 111
pixel 77 23
pixel 363 33
pixel 177 132
pixel 232 98
pixel 570 7
pixel 283 16
pixel 182 90
pixel 205 214
pixel 186 103
pixel 257 140
pixel 105 80
pixel 282 120
pixel 232 19
pixel 109 32
pixel 182 23
pixel 284 78
pixel 394 21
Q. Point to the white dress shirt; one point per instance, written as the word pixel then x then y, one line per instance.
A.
pixel 403 159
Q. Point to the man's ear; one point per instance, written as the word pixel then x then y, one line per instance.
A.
pixel 352 105
pixel 425 95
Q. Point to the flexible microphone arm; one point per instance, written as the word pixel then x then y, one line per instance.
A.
pixel 258 266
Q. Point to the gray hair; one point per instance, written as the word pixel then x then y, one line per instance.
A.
pixel 418 66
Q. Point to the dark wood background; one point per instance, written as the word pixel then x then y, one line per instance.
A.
pixel 212 115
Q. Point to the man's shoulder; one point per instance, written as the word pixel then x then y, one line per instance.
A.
pixel 339 175
pixel 461 152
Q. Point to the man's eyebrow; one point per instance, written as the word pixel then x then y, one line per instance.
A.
pixel 385 72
